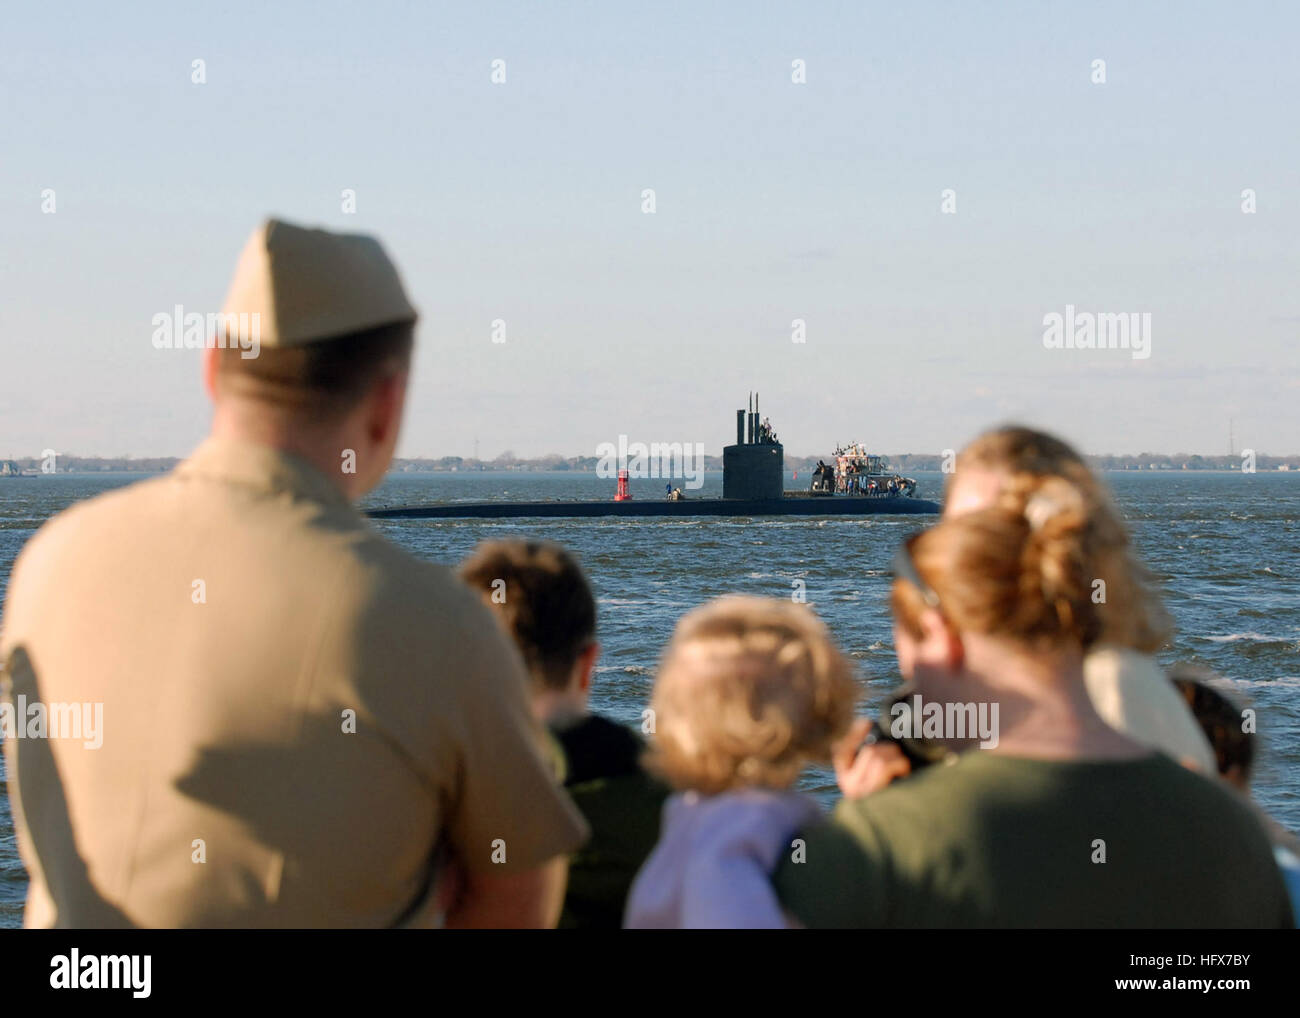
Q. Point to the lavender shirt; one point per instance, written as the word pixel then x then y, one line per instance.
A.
pixel 713 864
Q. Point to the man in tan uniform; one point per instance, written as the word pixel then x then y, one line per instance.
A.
pixel 302 725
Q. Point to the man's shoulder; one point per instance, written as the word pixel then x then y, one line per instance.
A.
pixel 113 505
pixel 411 615
pixel 389 579
pixel 86 522
pixel 316 543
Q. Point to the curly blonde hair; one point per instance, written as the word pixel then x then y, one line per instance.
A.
pixel 750 690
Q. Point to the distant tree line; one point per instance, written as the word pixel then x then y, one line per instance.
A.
pixel 90 464
pixel 902 463
pixel 1142 461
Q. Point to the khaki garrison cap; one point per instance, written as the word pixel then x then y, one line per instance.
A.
pixel 309 285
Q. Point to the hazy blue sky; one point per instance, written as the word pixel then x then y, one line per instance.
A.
pixel 774 201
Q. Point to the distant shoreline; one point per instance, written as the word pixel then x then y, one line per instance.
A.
pixel 903 463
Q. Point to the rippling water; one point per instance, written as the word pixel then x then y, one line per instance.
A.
pixel 1225 546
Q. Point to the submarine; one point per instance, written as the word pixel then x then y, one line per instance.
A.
pixel 753 484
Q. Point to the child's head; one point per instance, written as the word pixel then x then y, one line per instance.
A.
pixel 545 603
pixel 749 691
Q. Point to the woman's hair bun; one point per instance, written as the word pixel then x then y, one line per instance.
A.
pixel 1055 556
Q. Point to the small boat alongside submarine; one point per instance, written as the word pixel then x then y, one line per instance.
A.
pixel 753 484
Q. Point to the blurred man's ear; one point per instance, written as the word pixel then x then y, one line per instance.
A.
pixel 586 665
pixel 386 402
pixel 375 423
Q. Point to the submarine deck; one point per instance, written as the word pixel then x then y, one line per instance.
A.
pixel 795 503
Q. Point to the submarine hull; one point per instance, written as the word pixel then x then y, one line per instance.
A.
pixel 793 504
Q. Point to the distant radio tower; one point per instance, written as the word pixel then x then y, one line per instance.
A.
pixel 476 448
pixel 1232 442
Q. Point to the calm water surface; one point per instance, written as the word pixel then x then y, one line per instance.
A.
pixel 1225 546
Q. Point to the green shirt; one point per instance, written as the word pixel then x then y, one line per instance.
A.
pixel 602 773
pixel 1001 841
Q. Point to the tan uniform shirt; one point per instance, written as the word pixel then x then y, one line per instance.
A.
pixel 298 718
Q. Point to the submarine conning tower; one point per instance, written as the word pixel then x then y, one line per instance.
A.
pixel 753 468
